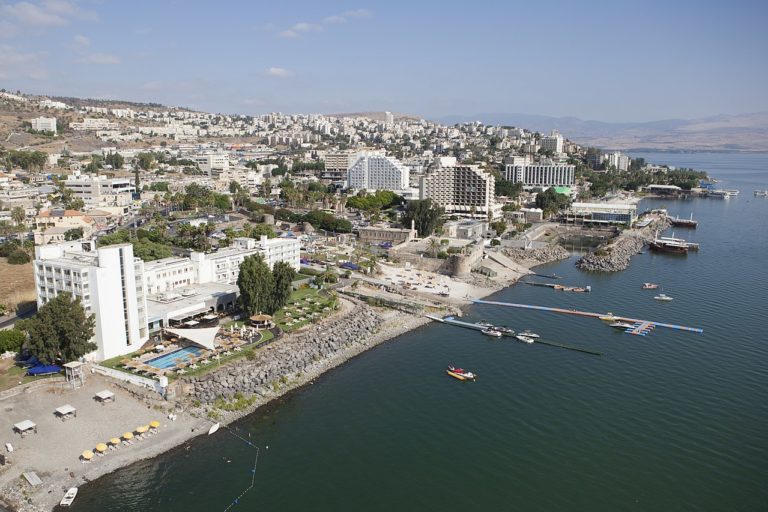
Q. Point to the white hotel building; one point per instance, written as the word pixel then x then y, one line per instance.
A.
pixel 109 281
pixel 375 171
pixel 130 298
pixel 543 174
pixel 462 189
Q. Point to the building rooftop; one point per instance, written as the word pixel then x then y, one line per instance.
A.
pixel 189 298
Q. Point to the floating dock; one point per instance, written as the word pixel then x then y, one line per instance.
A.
pixel 458 323
pixel 561 287
pixel 642 327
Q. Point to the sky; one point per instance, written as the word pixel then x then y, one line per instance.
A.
pixel 619 61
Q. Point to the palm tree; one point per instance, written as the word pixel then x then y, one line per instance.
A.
pixel 434 247
pixel 18 216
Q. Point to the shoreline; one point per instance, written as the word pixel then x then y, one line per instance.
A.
pixel 194 421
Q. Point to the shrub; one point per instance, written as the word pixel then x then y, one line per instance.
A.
pixel 442 255
pixel 11 340
pixel 18 257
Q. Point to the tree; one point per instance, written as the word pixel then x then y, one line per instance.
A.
pixel 60 330
pixel 11 340
pixel 73 234
pixel 19 216
pixel 499 226
pixel 550 201
pixel 256 285
pixel 283 275
pixel 434 247
pixel 116 160
pixel 145 160
pixel 137 180
pixel 425 214
pixel 19 257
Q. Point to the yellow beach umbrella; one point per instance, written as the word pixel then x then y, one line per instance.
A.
pixel 114 440
pixel 142 429
pixel 101 447
pixel 128 435
pixel 154 423
pixel 87 454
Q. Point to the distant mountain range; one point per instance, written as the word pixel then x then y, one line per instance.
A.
pixel 741 132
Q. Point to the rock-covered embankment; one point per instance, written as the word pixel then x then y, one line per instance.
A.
pixel 292 355
pixel 616 254
pixel 539 255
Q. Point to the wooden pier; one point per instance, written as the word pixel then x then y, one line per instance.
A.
pixel 643 326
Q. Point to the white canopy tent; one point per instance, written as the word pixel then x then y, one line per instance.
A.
pixel 203 337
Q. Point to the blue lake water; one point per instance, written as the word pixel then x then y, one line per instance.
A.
pixel 670 421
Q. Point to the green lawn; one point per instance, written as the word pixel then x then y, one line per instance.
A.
pixel 12 375
pixel 299 299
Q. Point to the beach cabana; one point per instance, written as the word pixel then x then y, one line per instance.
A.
pixel 65 411
pixel 261 321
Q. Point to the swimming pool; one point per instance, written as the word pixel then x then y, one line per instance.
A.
pixel 174 358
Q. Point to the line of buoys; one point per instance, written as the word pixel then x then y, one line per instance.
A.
pixel 236 501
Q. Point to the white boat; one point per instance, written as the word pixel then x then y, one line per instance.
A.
pixel 529 334
pixel 761 193
pixel 491 333
pixel 69 497
pixel 621 325
pixel 663 297
pixel 213 428
pixel 524 339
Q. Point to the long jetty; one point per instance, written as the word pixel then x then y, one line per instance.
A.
pixel 467 325
pixel 645 323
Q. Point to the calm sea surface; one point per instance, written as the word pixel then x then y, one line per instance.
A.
pixel 672 421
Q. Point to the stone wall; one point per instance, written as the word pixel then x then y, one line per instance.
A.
pixel 292 355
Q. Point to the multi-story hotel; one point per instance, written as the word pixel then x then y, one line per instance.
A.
pixel 109 281
pixel 520 170
pixel 463 190
pixel 375 171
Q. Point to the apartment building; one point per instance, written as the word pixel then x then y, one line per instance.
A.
pixel 462 190
pixel 44 124
pixel 553 142
pixel 376 171
pixel 337 163
pixel 212 164
pixel 109 281
pixel 100 190
pixel 617 160
pixel 94 123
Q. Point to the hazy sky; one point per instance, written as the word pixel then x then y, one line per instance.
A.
pixel 612 61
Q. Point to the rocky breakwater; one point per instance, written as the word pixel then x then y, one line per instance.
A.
pixel 295 354
pixel 539 255
pixel 616 254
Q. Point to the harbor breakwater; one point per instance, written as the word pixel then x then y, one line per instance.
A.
pixel 616 254
pixel 539 255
